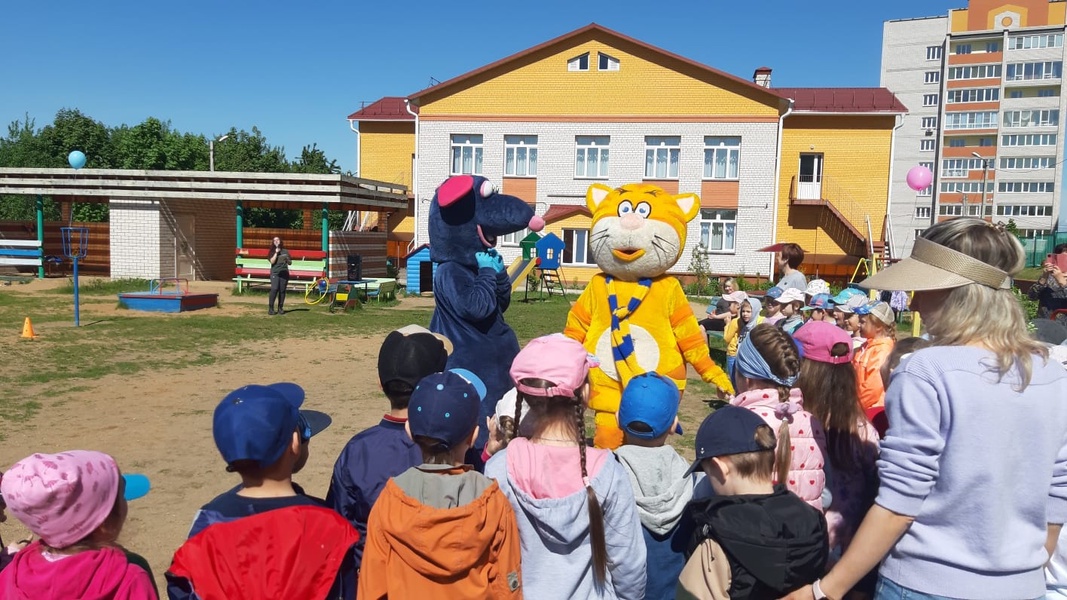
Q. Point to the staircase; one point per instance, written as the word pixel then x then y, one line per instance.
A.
pixel 843 220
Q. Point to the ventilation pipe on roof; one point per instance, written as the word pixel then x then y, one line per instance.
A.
pixel 415 175
pixel 778 183
pixel 762 77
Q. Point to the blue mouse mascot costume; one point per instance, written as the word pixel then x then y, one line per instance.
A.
pixel 471 287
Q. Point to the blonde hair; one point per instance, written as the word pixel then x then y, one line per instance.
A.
pixel 978 313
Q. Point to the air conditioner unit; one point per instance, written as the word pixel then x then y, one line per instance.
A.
pixel 929 132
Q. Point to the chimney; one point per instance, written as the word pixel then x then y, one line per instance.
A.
pixel 762 77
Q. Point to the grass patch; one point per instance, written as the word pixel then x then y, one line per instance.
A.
pixel 102 287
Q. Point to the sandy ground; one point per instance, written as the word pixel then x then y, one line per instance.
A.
pixel 159 422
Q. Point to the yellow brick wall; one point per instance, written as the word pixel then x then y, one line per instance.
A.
pixel 856 151
pixel 385 151
pixel 541 85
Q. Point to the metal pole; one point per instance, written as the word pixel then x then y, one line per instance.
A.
pixel 240 224
pixel 39 205
pixel 77 320
pixel 211 156
pixel 325 228
pixel 985 175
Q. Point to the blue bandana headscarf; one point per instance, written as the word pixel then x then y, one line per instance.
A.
pixel 752 365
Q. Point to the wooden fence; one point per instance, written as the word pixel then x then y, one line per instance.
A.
pixel 97 259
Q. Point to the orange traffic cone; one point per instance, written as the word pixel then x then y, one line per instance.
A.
pixel 27 330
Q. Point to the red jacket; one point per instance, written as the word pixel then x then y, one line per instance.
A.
pixel 293 552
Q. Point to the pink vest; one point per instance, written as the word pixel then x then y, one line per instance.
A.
pixel 806 436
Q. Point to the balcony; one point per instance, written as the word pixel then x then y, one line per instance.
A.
pixel 841 217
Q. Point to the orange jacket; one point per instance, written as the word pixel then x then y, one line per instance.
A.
pixel 868 362
pixel 414 550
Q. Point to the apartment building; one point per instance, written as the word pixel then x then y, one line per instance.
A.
pixel 984 88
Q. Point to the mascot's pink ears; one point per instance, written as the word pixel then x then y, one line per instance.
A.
pixel 457 187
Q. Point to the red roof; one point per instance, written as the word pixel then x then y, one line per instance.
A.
pixel 558 212
pixel 390 108
pixel 844 100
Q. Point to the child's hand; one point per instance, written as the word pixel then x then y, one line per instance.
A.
pixel 496 438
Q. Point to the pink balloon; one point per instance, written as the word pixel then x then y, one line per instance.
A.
pixel 920 178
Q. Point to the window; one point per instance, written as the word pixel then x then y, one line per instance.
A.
pixel 1023 210
pixel 1030 139
pixel 717 229
pixel 721 157
pixel 1031 118
pixel 579 63
pixel 971 120
pixel 973 95
pixel 591 156
pixel 957 142
pixel 961 49
pixel 933 53
pixel 975 72
pixel 928 190
pixel 985 141
pixel 1015 94
pixel 607 63
pixel 950 210
pixel 922 212
pixel 919 233
pixel 1026 42
pixel 1027 162
pixel 992 46
pixel 926 145
pixel 932 77
pixel 576 249
pixel 960 167
pixel 466 155
pixel 975 210
pixel 1026 187
pixel 513 239
pixel 929 99
pixel 965 187
pixel 1047 93
pixel 661 157
pixel 928 123
pixel 1049 69
pixel 520 155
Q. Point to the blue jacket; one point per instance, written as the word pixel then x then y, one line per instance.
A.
pixel 366 463
pixel 469 311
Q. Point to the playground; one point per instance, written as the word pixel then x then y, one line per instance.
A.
pixel 142 386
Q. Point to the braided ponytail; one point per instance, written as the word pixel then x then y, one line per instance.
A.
pixel 780 352
pixel 596 514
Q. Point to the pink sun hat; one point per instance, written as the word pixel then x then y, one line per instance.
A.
pixel 554 358
pixel 64 497
pixel 816 338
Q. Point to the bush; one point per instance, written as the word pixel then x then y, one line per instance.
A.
pixel 700 266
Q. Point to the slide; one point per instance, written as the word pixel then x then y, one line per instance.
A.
pixel 518 271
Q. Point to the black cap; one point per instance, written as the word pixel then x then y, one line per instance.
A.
pixel 411 353
pixel 728 430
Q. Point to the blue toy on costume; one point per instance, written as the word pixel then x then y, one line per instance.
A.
pixel 471 286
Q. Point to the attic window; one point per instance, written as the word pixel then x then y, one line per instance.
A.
pixel 579 63
pixel 608 63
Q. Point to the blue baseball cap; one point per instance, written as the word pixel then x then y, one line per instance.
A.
pixel 728 430
pixel 255 423
pixel 652 400
pixel 445 407
pixel 137 486
pixel 843 296
pixel 820 302
pixel 773 293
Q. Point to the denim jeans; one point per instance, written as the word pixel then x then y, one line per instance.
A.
pixel 730 360
pixel 890 590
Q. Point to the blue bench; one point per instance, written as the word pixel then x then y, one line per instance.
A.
pixel 21 253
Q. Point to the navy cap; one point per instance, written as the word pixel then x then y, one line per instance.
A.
pixel 728 430
pixel 445 407
pixel 256 422
pixel 652 399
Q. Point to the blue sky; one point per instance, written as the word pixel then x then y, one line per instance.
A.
pixel 296 70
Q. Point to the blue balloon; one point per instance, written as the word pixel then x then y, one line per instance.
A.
pixel 76 159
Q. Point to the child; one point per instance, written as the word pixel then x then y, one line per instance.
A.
pixel 774 311
pixel 790 303
pixel 265 536
pixel 719 313
pixel 841 300
pixel 816 287
pixel 818 308
pixel 828 383
pixel 648 414
pixel 754 539
pixel 578 521
pixel 850 320
pixel 901 350
pixel 75 504
pixel 502 425
pixel 441 530
pixel 767 368
pixel 878 328
pixel 736 330
pixel 374 455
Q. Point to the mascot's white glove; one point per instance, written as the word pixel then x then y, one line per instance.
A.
pixel 489 260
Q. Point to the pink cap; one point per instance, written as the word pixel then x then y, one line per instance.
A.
pixel 64 497
pixel 817 337
pixel 554 358
pixel 737 296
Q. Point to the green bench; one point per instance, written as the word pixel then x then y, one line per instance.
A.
pixel 253 268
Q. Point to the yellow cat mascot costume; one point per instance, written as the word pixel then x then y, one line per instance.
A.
pixel 633 316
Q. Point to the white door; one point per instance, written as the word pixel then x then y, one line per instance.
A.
pixel 185 246
pixel 809 183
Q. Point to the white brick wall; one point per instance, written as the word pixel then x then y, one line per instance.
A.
pixel 134 238
pixel 556 183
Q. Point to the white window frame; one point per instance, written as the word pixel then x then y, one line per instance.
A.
pixel 607 63
pixel 586 146
pixel 1027 163
pixel 950 210
pixel 1029 139
pixel 932 77
pixel 962 49
pixel 514 238
pixel 1026 187
pixel 520 156
pixel 919 233
pixel 986 119
pixel 992 46
pixel 928 190
pixel 975 72
pixel 926 145
pixel 928 123
pixel 464 146
pixel 963 96
pixel 933 52
pixel 1034 41
pixel 575 64
pixel 715 149
pixel 662 154
pixel 571 239
pixel 1031 118
pixel 922 212
pixel 726 220
pixel 929 99
pixel 1036 70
